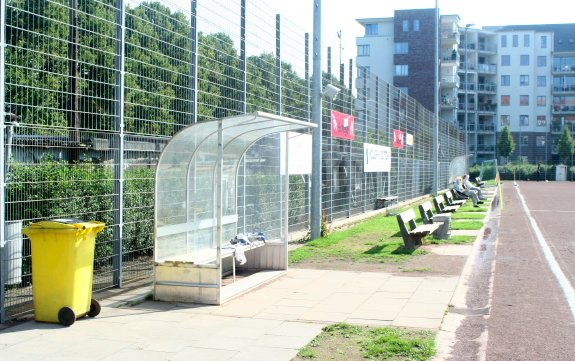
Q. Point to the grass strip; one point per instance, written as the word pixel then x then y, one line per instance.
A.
pixel 458 239
pixel 467 225
pixel 346 342
pixel 467 215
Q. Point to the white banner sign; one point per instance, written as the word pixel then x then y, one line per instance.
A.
pixel 299 153
pixel 376 158
pixel 409 139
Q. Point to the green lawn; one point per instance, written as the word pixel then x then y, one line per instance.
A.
pixel 467 215
pixel 344 342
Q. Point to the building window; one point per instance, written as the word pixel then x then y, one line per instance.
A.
pixel 505 100
pixel 363 71
pixel 416 25
pixel 542 60
pixel 515 41
pixel 541 80
pixel 404 90
pixel 524 140
pixel 524 100
pixel 503 41
pixel 401 48
pixel 540 141
pixel 523 80
pixel 363 50
pixel 505 80
pixel 524 60
pixel 401 70
pixel 543 41
pixel 523 120
pixel 526 41
pixel 505 120
pixel 405 25
pixel 541 100
pixel 541 121
pixel 370 29
pixel 505 60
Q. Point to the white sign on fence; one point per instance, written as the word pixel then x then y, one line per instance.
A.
pixel 299 153
pixel 376 158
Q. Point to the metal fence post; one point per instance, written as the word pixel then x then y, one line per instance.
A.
pixel 317 132
pixel 119 146
pixel 2 155
pixel 328 124
pixel 278 66
pixel 194 61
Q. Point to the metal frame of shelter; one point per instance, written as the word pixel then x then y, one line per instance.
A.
pixel 196 211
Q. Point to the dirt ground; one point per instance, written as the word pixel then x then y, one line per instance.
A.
pixel 440 260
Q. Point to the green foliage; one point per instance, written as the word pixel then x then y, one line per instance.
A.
pixel 51 189
pixel 565 146
pixel 506 144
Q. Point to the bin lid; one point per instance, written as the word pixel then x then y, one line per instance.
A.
pixel 66 223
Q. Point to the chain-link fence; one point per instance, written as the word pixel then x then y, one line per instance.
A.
pixel 91 91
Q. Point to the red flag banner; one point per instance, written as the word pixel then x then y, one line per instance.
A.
pixel 342 125
pixel 398 138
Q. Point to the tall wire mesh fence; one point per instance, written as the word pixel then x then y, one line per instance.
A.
pixel 93 89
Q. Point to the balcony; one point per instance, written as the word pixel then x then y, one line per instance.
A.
pixel 558 129
pixel 487 68
pixel 449 36
pixel 487 108
pixel 487 48
pixel 489 128
pixel 564 69
pixel 472 67
pixel 486 148
pixel 470 107
pixel 486 87
pixel 449 81
pixel 448 102
pixel 564 89
pixel 563 108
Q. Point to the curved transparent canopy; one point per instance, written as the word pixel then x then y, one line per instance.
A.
pixel 197 180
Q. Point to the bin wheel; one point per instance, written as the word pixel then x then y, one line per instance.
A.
pixel 94 308
pixel 66 316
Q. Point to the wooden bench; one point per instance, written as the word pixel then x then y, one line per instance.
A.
pixel 383 202
pixel 428 217
pixel 411 233
pixel 448 196
pixel 458 195
pixel 441 207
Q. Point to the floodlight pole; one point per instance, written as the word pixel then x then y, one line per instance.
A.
pixel 435 186
pixel 315 211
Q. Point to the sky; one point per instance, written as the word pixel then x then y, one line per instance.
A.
pixel 339 15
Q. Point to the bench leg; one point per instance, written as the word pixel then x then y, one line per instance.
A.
pixel 411 242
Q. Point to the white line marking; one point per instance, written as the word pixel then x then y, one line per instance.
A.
pixel 563 281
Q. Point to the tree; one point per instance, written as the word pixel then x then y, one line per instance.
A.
pixel 565 146
pixel 506 144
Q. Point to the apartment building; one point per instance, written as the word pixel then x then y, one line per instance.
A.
pixel 520 76
pixel 477 94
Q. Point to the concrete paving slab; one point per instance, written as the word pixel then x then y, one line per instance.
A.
pixel 269 323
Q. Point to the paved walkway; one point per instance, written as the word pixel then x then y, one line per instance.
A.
pixel 271 323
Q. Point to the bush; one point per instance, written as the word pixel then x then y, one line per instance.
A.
pixel 52 189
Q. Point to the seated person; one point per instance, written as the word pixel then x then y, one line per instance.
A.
pixel 458 186
pixel 467 184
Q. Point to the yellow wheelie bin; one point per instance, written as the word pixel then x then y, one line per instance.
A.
pixel 62 269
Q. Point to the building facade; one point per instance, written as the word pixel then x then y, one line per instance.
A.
pixel 521 76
